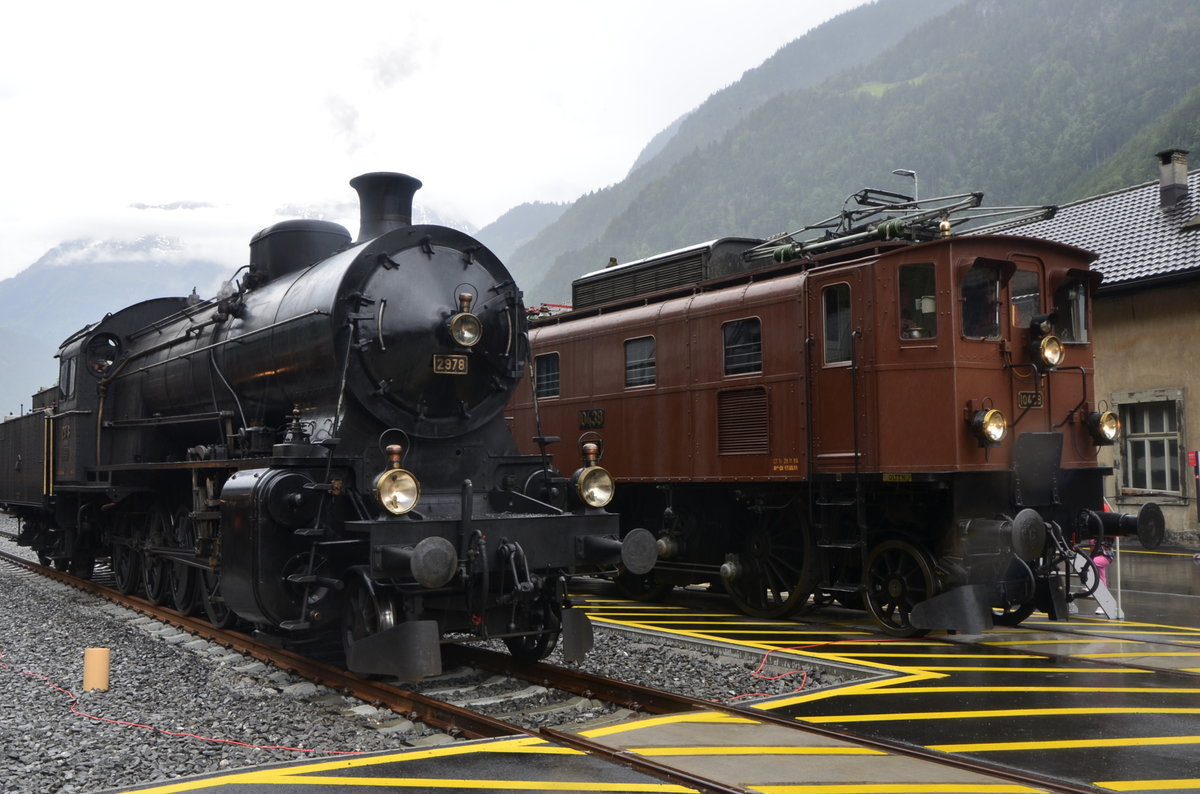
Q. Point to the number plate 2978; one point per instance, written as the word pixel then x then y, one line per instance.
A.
pixel 445 364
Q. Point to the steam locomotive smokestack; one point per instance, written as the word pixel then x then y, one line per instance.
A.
pixel 385 202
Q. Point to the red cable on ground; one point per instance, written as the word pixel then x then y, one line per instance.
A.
pixel 75 710
pixel 803 681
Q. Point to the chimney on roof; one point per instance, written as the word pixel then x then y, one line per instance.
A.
pixel 1173 177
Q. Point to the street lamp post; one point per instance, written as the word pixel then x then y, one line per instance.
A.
pixel 911 173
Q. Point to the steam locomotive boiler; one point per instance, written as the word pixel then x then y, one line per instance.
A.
pixel 321 449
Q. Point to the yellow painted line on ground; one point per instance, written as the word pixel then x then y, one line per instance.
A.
pixel 1109 625
pixel 862 687
pixel 1128 654
pixel 899 788
pixel 524 744
pixel 425 783
pixel 1138 635
pixel 655 752
pixel 787 633
pixel 705 717
pixel 848 659
pixel 950 656
pixel 941 690
pixel 1159 553
pixel 972 669
pixel 723 630
pixel 867 643
pixel 1076 640
pixel 1065 744
pixel 654 615
pixel 1180 784
pixel 995 713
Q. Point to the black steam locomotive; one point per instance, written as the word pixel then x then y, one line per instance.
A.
pixel 321 449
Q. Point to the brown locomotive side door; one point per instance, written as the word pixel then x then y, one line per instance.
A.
pixel 835 323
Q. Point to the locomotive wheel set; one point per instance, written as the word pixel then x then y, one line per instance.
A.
pixel 886 415
pixel 321 451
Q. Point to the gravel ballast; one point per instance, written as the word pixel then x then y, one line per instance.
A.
pixel 179 706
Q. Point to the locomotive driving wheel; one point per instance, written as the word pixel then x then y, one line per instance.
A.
pixel 773 575
pixel 898 576
pixel 365 612
pixel 182 577
pixel 156 570
pixel 126 567
pixel 219 614
pixel 126 560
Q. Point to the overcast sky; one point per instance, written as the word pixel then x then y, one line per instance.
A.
pixel 112 112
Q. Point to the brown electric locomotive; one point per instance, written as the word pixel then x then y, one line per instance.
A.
pixel 889 414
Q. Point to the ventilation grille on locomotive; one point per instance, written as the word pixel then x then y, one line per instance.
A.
pixel 742 424
pixel 673 269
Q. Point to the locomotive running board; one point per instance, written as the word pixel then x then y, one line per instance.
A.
pixel 965 609
pixel 410 651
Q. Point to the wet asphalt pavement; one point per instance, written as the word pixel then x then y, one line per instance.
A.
pixel 1160 586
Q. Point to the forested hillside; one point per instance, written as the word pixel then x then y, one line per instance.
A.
pixel 851 39
pixel 1030 101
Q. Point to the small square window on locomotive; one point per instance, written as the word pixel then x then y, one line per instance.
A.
pixel 1026 291
pixel 743 346
pixel 918 302
pixel 640 365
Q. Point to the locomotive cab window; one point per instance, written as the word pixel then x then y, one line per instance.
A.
pixel 743 346
pixel 640 368
pixel 66 378
pixel 835 303
pixel 918 302
pixel 1071 310
pixel 1026 291
pixel 980 299
pixel 546 375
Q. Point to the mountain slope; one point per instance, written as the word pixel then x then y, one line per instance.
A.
pixel 847 40
pixel 1031 101
pixel 76 283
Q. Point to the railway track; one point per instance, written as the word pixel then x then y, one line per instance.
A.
pixel 467 722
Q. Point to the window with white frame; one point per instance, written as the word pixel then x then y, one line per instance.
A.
pixel 1152 434
pixel 743 346
pixel 546 375
pixel 640 366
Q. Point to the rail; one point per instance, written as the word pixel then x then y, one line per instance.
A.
pixel 464 723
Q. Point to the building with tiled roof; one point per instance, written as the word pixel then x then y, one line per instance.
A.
pixel 1147 332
